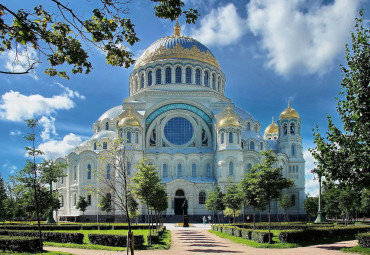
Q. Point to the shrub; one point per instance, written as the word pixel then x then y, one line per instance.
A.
pixel 155 238
pixel 115 240
pixel 20 244
pixel 247 234
pixel 58 237
pixel 3 233
pixel 364 240
pixel 261 236
pixel 315 234
pixel 43 227
pixel 228 230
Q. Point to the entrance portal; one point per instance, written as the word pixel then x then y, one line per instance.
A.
pixel 179 200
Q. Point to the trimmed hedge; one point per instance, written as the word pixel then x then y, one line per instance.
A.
pixel 156 236
pixel 43 227
pixel 364 240
pixel 20 244
pixel 315 234
pixel 261 236
pixel 115 240
pixel 58 237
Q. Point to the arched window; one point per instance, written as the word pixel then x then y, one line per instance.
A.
pixel 292 128
pixel 219 84
pixel 128 136
pixel 248 126
pixel 165 170
pixel 251 145
pixel 292 200
pixel 89 199
pixel 136 137
pixel 179 193
pixel 142 81
pixel 193 170
pixel 188 75
pixel 197 77
pixel 150 78
pixel 109 198
pixel 179 170
pixel 105 146
pixel 168 75
pixel 178 75
pixel 231 137
pixel 206 79
pixel 296 169
pixel 74 199
pixel 108 171
pixel 208 170
pixel 231 168
pixel 98 128
pixel 285 129
pixel 94 146
pixel 213 81
pixel 61 201
pixel 292 148
pixel 222 138
pixel 158 76
pixel 249 167
pixel 129 168
pixel 202 198
pixel 106 125
pixel 261 145
pixel 74 172
pixel 89 172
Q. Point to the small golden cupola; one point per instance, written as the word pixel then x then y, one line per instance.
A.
pixel 271 131
pixel 228 120
pixel 289 113
pixel 129 120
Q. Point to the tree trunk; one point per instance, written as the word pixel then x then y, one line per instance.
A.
pixel 254 217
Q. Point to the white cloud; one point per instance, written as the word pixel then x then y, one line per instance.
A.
pixel 15 132
pixel 59 148
pixel 301 35
pixel 21 59
pixel 49 127
pixel 15 106
pixel 9 167
pixel 221 27
pixel 311 185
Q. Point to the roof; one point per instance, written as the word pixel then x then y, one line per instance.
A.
pixel 111 113
pixel 246 135
pixel 104 134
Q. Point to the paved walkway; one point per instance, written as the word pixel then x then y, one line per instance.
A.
pixel 197 240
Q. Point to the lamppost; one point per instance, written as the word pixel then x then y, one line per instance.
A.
pixel 320 218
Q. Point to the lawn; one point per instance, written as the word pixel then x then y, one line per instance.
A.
pixel 357 249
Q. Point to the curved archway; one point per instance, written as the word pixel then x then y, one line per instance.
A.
pixel 178 201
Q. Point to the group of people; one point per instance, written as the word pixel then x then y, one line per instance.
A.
pixel 207 219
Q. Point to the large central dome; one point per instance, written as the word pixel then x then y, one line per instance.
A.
pixel 171 47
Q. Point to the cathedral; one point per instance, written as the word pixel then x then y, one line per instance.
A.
pixel 177 117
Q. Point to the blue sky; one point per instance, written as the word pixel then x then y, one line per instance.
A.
pixel 270 51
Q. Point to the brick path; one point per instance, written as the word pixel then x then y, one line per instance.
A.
pixel 199 241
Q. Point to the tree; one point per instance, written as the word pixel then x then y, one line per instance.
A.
pixel 348 201
pixel 285 203
pixel 365 202
pixel 133 206
pixel 105 204
pixel 159 201
pixel 215 200
pixel 82 205
pixel 145 183
pixel 64 36
pixel 331 201
pixel 3 197
pixel 270 182
pixel 233 199
pixel 343 154
pixel 310 205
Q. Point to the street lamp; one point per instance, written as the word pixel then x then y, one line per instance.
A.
pixel 320 218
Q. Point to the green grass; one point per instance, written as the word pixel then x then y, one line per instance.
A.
pixel 357 249
pixel 165 241
pixel 254 244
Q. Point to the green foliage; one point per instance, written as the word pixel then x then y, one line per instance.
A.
pixel 260 236
pixel 285 203
pixel 233 199
pixel 364 240
pixel 58 237
pixel 82 204
pixel 343 154
pixel 64 36
pixel 115 240
pixel 357 250
pixel 3 198
pixel 365 201
pixel 105 204
pixel 215 200
pixel 310 205
pixel 19 244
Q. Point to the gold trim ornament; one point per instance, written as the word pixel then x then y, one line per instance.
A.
pixel 289 113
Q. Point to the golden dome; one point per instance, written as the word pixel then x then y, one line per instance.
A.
pixel 129 120
pixel 228 120
pixel 289 113
pixel 272 128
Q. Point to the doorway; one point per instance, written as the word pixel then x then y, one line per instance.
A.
pixel 179 200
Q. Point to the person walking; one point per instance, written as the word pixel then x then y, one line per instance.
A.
pixel 204 219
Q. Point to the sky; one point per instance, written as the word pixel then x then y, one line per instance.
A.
pixel 270 51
